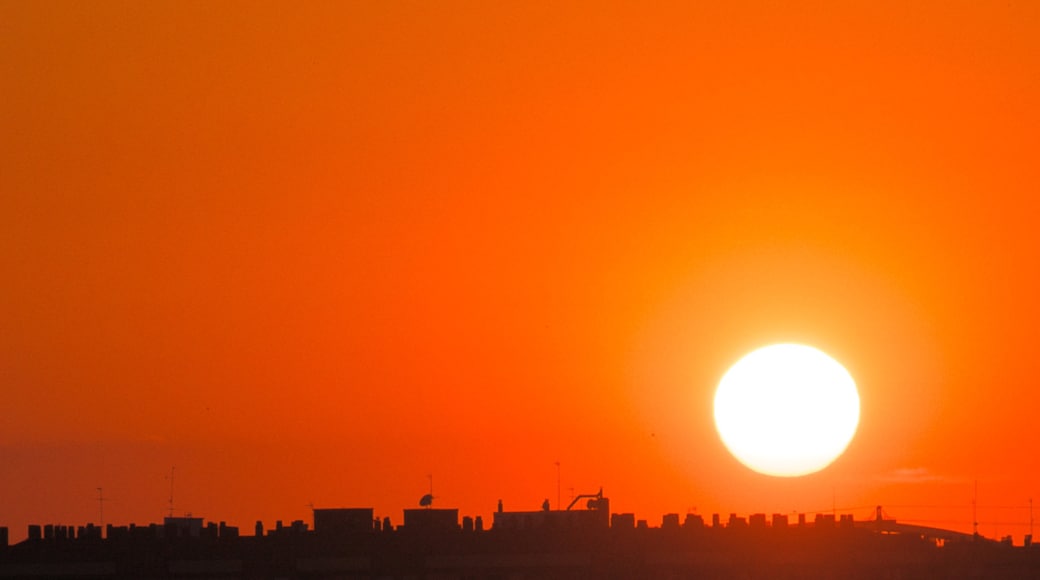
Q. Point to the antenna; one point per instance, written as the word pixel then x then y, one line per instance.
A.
pixel 975 510
pixel 426 501
pixel 101 507
pixel 172 469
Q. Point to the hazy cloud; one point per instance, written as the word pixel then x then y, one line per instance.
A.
pixel 916 475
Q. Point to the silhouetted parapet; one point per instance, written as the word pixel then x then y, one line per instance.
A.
pixel 89 532
pixel 779 520
pixel 622 521
pixel 824 521
pixel 693 521
pixel 757 521
pixel 549 520
pixel 186 527
pixel 340 521
pixel 3 537
pixel 670 522
pixel 227 531
pixel 295 528
pixel 431 520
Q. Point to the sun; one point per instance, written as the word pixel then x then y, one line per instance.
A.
pixel 786 410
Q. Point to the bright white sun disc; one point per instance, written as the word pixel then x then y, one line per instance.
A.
pixel 786 410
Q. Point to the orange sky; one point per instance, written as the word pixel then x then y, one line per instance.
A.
pixel 314 254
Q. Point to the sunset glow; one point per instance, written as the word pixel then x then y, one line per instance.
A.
pixel 314 253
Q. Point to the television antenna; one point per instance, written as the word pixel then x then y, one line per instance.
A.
pixel 975 510
pixel 426 501
pixel 170 477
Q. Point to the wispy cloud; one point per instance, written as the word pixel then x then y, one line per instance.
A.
pixel 916 475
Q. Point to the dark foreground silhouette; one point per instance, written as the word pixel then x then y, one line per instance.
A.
pixel 561 544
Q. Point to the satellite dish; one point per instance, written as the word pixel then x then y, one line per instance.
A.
pixel 427 500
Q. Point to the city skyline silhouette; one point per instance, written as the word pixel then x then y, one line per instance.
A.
pixel 311 255
pixel 547 543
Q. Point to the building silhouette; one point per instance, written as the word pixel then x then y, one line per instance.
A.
pixel 587 542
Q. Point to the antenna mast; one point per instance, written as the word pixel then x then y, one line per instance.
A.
pixel 101 507
pixel 172 469
pixel 975 510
